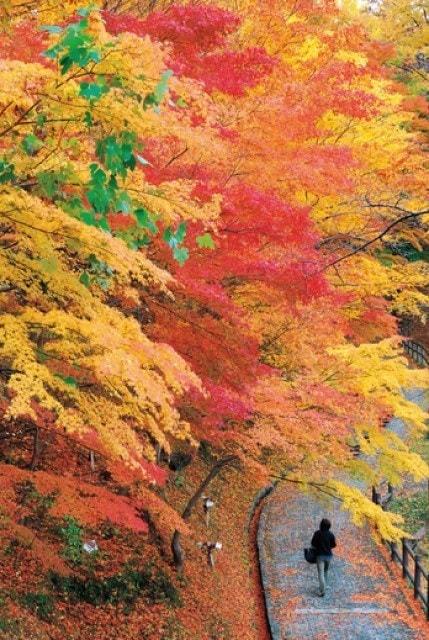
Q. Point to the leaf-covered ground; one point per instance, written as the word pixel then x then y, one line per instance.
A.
pixel 51 589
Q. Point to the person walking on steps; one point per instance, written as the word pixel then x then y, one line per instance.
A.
pixel 323 541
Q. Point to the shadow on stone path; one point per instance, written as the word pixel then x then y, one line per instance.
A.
pixel 365 599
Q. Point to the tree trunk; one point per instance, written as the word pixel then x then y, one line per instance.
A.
pixel 178 554
pixel 92 460
pixel 211 558
pixel 36 450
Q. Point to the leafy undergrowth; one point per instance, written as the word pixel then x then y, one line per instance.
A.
pixel 421 446
pixel 413 508
pixel 52 588
pixel 224 603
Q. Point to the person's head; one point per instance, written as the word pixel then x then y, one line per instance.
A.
pixel 325 524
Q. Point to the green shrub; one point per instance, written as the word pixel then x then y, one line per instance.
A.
pixel 4 624
pixel 179 482
pixel 72 534
pixel 121 588
pixel 108 530
pixel 38 503
pixel 8 625
pixel 173 630
pixel 159 588
pixel 413 508
pixel 205 451
pixel 14 545
pixel 41 604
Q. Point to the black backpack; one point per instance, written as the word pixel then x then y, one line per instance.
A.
pixel 310 555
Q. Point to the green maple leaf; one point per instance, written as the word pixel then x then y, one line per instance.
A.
pixel 50 181
pixel 31 144
pixel 93 91
pixel 88 217
pixel 174 238
pixel 85 279
pixel 117 154
pixel 154 98
pixel 145 220
pixel 180 254
pixel 88 119
pixel 123 202
pixel 7 171
pixel 205 241
pixel 102 223
pixel 72 382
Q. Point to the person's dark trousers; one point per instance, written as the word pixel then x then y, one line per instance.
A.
pixel 322 571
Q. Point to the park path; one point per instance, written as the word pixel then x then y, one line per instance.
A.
pixel 366 599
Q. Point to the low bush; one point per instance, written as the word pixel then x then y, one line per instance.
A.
pixel 6 624
pixel 108 530
pixel 206 452
pixel 41 604
pixel 121 588
pixel 38 503
pixel 72 533
pixel 413 508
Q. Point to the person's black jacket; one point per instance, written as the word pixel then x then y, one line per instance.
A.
pixel 323 542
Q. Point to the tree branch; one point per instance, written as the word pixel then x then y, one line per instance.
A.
pixel 409 215
pixel 315 485
pixel 177 156
pixel 223 462
pixel 21 117
pixel 178 555
pixel 6 287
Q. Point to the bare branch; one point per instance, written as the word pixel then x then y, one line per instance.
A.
pixel 177 156
pixel 409 215
pixel 176 547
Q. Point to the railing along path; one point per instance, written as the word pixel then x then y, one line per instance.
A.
pixel 412 568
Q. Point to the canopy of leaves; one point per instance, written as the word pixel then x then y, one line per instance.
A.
pixel 210 219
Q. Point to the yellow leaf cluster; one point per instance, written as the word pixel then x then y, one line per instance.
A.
pixel 379 372
pixel 386 524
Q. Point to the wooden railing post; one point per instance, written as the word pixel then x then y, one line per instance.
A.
pixel 427 599
pixel 428 503
pixel 404 558
pixel 417 574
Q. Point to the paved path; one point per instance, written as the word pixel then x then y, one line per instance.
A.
pixel 364 599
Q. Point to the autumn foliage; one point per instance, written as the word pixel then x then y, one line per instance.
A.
pixel 212 216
